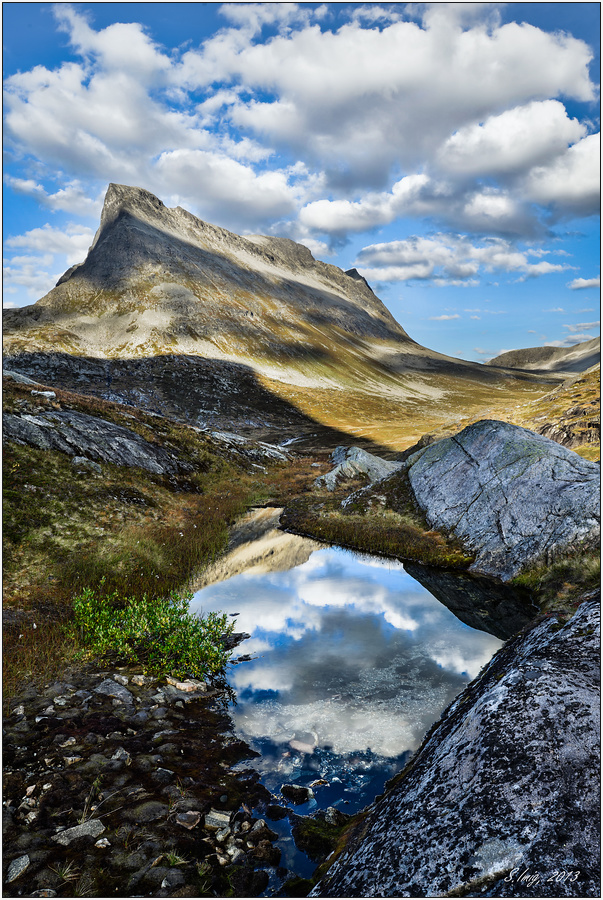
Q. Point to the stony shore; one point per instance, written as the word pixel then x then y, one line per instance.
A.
pixel 118 784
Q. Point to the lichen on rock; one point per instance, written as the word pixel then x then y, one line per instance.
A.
pixel 513 497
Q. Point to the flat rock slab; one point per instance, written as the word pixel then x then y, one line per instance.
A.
pixel 90 829
pixel 511 496
pixel 17 867
pixel 503 796
pixel 81 435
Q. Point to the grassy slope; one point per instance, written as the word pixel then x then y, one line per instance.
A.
pixel 66 527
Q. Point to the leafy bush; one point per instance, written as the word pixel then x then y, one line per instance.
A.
pixel 161 634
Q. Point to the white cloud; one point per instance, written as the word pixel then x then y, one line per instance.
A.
pixel 583 326
pixel 448 257
pixel 72 198
pixel 30 273
pixel 570 341
pixel 444 318
pixel 74 241
pixel 511 142
pixel 571 183
pixel 374 209
pixel 580 283
pixel 331 102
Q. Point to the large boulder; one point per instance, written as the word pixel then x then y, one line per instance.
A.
pixel 502 799
pixel 511 496
pixel 81 435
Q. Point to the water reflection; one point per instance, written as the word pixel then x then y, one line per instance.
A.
pixel 353 656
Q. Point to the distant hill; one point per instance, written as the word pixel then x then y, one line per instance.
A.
pixel 552 359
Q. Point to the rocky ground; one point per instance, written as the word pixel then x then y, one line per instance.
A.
pixel 117 784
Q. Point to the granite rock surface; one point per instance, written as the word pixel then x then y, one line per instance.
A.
pixel 502 799
pixel 511 496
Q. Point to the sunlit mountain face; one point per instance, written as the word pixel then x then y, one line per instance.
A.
pixel 353 660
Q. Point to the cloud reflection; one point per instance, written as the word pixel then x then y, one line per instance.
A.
pixel 353 653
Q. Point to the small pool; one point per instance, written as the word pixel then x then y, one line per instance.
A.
pixel 352 661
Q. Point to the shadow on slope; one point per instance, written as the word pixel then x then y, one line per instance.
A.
pixel 207 393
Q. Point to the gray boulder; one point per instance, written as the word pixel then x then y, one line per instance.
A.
pixel 79 434
pixel 502 799
pixel 350 462
pixel 511 496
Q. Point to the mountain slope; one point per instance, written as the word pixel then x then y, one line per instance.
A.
pixel 159 285
pixel 552 359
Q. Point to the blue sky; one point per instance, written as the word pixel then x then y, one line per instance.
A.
pixel 450 152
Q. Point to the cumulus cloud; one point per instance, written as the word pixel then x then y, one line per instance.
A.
pixel 72 198
pixel 571 182
pixel 73 242
pixel 444 318
pixel 30 273
pixel 579 284
pixel 447 257
pixel 511 142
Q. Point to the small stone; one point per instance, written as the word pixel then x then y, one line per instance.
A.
pixel 68 743
pixel 159 713
pixel 91 828
pixel 141 680
pixel 222 835
pixel 122 754
pixel 44 892
pixel 72 760
pixel 31 817
pixel 223 860
pixel 29 791
pixel 49 395
pixel 188 819
pixel 224 798
pixel 216 820
pixel 296 793
pixel 102 843
pixel 191 684
pixel 19 710
pixel 121 679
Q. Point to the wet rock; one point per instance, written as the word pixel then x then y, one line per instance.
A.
pixel 296 793
pixel 276 812
pixel 260 832
pixel 188 819
pixel 506 783
pixel 17 867
pixel 147 812
pixel 266 853
pixel 90 829
pixel 215 820
pixel 511 496
pixel 110 688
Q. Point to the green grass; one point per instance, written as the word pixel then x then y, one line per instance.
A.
pixel 386 522
pixel 558 587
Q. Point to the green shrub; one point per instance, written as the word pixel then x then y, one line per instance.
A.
pixel 161 634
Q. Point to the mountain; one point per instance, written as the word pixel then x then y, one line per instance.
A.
pixel 552 359
pixel 190 320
